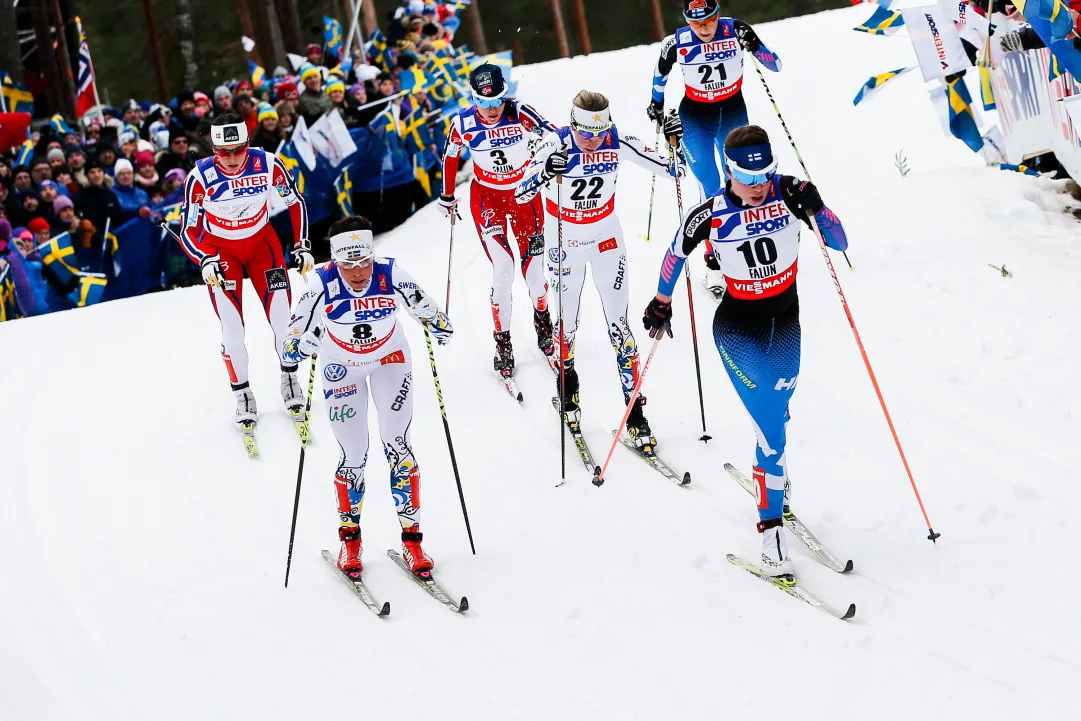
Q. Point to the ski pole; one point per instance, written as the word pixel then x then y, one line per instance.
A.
pixel 300 472
pixel 705 437
pixel 598 479
pixel 450 256
pixel 653 188
pixel 874 381
pixel 562 337
pixel 791 142
pixel 450 443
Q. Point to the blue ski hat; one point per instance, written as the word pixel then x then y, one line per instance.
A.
pixel 699 10
pixel 751 165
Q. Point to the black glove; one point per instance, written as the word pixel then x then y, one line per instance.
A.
pixel 658 318
pixel 1011 42
pixel 655 112
pixel 556 164
pixel 803 194
pixel 747 37
pixel 673 128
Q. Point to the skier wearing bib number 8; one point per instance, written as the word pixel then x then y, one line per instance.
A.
pixel 497 129
pixel 709 50
pixel 348 315
pixel 753 225
pixel 588 155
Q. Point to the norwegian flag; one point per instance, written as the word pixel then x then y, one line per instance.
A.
pixel 87 93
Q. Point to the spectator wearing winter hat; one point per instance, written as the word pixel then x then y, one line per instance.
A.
pixel 106 157
pixel 96 202
pixel 177 154
pixel 63 218
pixel 133 200
pixel 313 103
pixel 41 230
pixel 172 187
pixel 268 135
pixel 146 176
pixel 186 117
pixel 64 179
pixel 48 191
pixel 27 207
pixel 287 117
pixel 132 112
pixel 93 132
pixel 287 90
pixel 20 178
pixel 202 104
pixel 55 158
pixel 315 54
pixel 76 161
pixel 40 170
pixel 6 205
pixel 129 143
pixel 223 101
pixel 16 293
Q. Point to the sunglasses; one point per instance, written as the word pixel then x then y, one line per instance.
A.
pixel 487 103
pixel 354 264
pixel 236 153
pixel 590 134
pixel 752 177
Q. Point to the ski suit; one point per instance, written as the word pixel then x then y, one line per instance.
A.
pixel 364 344
pixel 500 154
pixel 592 235
pixel 228 216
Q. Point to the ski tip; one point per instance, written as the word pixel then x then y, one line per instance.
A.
pixel 519 398
pixel 686 478
pixel 385 610
pixel 850 612
pixel 848 566
pixel 463 605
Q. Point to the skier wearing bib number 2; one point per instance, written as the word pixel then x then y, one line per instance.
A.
pixel 709 51
pixel 588 155
pixel 753 225
pixel 497 130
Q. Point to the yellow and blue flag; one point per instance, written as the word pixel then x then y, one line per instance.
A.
pixel 504 60
pixel 379 54
pixel 332 36
pixel 61 127
pixel 291 160
pixel 962 120
pixel 1054 69
pixel 25 154
pixel 258 74
pixel 17 98
pixel 91 289
pixel 875 83
pixel 987 92
pixel 882 22
pixel 343 191
pixel 55 255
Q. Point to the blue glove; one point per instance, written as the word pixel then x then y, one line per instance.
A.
pixel 299 349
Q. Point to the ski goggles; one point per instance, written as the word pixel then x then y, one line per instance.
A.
pixel 488 103
pixel 594 133
pixel 737 160
pixel 234 153
pixel 591 123
pixel 353 264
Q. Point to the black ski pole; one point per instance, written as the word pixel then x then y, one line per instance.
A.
pixel 300 472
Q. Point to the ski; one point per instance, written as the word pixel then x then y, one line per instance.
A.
pixel 649 455
pixel 579 440
pixel 358 588
pixel 822 554
pixel 252 446
pixel 788 585
pixel 716 290
pixel 511 387
pixel 429 584
pixel 300 420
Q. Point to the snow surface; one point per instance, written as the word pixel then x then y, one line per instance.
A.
pixel 142 553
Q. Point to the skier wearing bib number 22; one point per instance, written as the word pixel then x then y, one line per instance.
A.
pixel 497 129
pixel 349 315
pixel 709 51
pixel 753 225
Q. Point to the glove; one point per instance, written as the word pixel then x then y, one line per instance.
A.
pixel 677 169
pixel 673 128
pixel 211 270
pixel 556 164
pixel 1011 42
pixel 655 112
pixel 436 321
pixel 658 318
pixel 302 256
pixel 448 204
pixel 297 350
pixel 440 328
pixel 803 194
pixel 747 37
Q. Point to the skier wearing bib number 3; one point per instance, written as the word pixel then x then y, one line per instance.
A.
pixel 588 155
pixel 349 315
pixel 709 51
pixel 753 225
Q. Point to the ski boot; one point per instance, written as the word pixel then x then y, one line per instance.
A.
pixel 714 279
pixel 638 427
pixel 571 410
pixel 775 559
pixel 349 557
pixel 418 561
pixel 291 393
pixel 542 323
pixel 504 354
pixel 246 411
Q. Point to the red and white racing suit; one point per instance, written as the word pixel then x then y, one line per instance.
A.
pixel 500 154
pixel 229 216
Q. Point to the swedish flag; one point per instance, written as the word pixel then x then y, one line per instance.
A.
pixel 258 74
pixel 873 85
pixel 883 22
pixel 171 213
pixel 378 52
pixel 504 60
pixel 55 253
pixel 962 120
pixel 25 154
pixel 332 36
pixel 90 291
pixel 1054 69
pixel 291 162
pixel 987 92
pixel 16 97
pixel 58 124
pixel 343 190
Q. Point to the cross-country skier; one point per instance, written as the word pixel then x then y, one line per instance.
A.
pixel 497 130
pixel 754 227
pixel 709 50
pixel 588 154
pixel 227 231
pixel 348 314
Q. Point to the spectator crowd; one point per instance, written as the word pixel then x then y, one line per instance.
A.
pixel 81 204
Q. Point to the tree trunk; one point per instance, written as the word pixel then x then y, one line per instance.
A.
pixel 187 44
pixel 248 29
pixel 658 20
pixel 277 42
pixel 581 27
pixel 371 21
pixel 476 29
pixel 46 56
pixel 67 74
pixel 561 30
pixel 290 21
pixel 9 41
pixel 155 50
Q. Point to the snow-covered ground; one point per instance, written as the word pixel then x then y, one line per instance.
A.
pixel 142 553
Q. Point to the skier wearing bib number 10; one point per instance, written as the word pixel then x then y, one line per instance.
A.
pixel 497 129
pixel 588 155
pixel 709 51
pixel 753 225
pixel 348 315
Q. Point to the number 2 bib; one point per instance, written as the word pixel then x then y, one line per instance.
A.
pixel 712 71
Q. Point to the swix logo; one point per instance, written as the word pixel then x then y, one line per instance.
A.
pixel 786 384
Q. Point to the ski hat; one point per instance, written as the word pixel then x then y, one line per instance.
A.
pixel 591 122
pixel 61 202
pixel 122 165
pixel 352 245
pixel 487 83
pixel 751 165
pixel 175 174
pixel 266 110
pixel 221 91
pixel 229 134
pixel 308 70
pixel 699 10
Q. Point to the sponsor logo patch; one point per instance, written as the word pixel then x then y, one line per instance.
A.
pixel 334 372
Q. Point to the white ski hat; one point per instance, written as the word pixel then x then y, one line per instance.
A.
pixel 592 121
pixel 352 245
pixel 229 134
